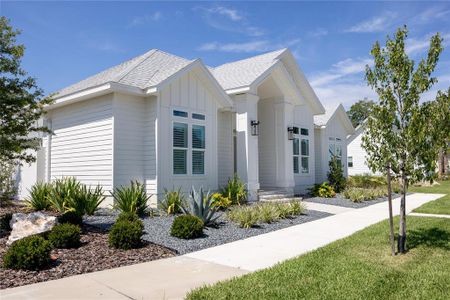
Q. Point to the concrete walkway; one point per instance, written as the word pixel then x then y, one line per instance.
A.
pixel 332 209
pixel 429 215
pixel 172 278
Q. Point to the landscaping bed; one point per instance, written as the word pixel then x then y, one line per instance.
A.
pixel 340 201
pixel 158 229
pixel 94 254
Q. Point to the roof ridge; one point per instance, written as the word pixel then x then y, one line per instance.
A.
pixel 127 71
pixel 251 57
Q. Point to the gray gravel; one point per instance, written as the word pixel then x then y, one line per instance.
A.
pixel 157 230
pixel 340 201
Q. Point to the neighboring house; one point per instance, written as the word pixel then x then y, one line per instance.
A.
pixel 171 122
pixel 331 131
pixel 356 155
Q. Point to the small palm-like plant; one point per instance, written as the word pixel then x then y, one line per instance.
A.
pixel 201 206
pixel 39 196
pixel 235 190
pixel 86 200
pixel 63 191
pixel 132 199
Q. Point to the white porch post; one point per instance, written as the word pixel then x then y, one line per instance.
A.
pixel 284 119
pixel 247 144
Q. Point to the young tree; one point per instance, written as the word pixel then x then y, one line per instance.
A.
pixel 21 101
pixel 397 138
pixel 359 111
pixel 336 175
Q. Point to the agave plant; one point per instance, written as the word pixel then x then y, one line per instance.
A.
pixel 39 196
pixel 131 198
pixel 201 206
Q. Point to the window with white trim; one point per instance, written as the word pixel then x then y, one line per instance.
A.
pixel 350 161
pixel 301 152
pixel 180 147
pixel 198 149
pixel 335 149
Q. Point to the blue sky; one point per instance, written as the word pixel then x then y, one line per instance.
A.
pixel 68 41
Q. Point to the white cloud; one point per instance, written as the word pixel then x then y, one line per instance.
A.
pixel 376 24
pixel 319 32
pixel 229 19
pixel 248 47
pixel 340 70
pixel 417 45
pixel 431 14
pixel 140 20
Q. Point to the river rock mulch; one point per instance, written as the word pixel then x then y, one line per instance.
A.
pixel 157 229
pixel 93 255
pixel 341 201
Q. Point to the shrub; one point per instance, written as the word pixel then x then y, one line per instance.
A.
pixel 71 217
pixel 283 210
pixel 235 190
pixel 267 213
pixel 8 186
pixel 86 200
pixel 296 208
pixel 131 198
pixel 220 202
pixel 4 222
pixel 30 253
pixel 200 205
pixel 126 235
pixel 39 196
pixel 244 216
pixel 366 181
pixel 187 227
pixel 130 217
pixel 64 236
pixel 63 191
pixel 172 201
pixel 336 175
pixel 322 190
pixel 364 194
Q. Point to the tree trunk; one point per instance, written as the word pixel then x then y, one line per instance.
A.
pixel 402 228
pixel 391 217
pixel 441 163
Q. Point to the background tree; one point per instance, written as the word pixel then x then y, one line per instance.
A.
pixel 359 111
pixel 398 137
pixel 336 174
pixel 21 101
pixel 441 112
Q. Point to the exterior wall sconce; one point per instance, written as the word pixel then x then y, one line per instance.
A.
pixel 292 131
pixel 255 127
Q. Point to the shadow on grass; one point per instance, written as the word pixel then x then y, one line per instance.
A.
pixel 430 237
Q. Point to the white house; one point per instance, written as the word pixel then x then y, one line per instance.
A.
pixel 331 130
pixel 356 155
pixel 172 122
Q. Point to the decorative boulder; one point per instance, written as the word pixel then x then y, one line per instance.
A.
pixel 24 225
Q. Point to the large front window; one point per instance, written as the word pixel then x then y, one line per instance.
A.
pixel 335 149
pixel 183 148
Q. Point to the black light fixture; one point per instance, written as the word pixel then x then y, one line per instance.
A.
pixel 255 127
pixel 290 133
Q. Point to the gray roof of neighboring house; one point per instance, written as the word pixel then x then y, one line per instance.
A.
pixel 154 66
pixel 322 120
pixel 244 72
pixel 143 71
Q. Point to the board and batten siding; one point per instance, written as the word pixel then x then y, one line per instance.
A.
pixel 304 118
pixel 187 93
pixel 82 144
pixel 267 150
pixel 225 151
pixel 358 154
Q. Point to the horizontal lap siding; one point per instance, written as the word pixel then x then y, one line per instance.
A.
pixel 150 125
pixel 82 142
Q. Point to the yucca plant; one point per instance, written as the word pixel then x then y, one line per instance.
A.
pixel 172 201
pixel 200 205
pixel 39 196
pixel 131 198
pixel 86 200
pixel 63 191
pixel 235 190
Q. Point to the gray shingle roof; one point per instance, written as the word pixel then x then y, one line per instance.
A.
pixel 143 71
pixel 243 72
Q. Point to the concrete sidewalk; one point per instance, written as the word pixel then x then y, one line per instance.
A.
pixel 172 278
pixel 429 215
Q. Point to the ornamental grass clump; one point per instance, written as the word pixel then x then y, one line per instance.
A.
pixel 187 227
pixel 65 236
pixel 29 253
pixel 172 201
pixel 296 208
pixel 267 212
pixel 244 216
pixel 131 198
pixel 62 192
pixel 39 196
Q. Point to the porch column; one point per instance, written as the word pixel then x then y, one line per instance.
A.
pixel 284 113
pixel 247 144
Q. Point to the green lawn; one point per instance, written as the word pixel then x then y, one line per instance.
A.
pixel 439 206
pixel 357 267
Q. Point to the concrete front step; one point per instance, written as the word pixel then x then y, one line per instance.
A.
pixel 288 199
pixel 275 194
